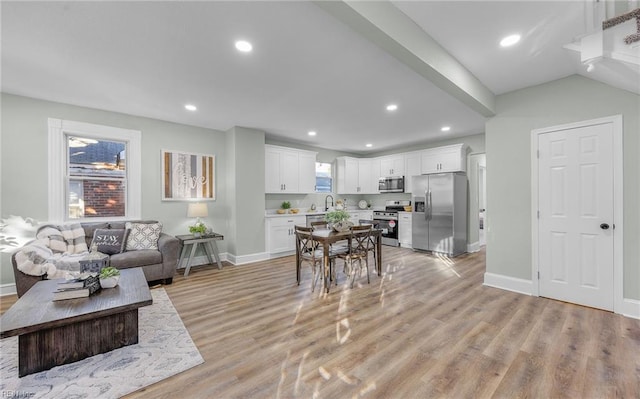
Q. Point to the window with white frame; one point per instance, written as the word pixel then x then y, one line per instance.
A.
pixel 94 172
pixel 323 177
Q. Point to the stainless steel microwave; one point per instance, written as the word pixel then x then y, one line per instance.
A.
pixel 392 184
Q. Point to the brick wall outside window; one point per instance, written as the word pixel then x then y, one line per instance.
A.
pixel 103 198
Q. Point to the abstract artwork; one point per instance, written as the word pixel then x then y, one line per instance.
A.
pixel 187 176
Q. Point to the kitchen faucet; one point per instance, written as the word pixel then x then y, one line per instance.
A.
pixel 326 207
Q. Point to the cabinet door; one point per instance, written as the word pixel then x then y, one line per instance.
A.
pixel 350 176
pixel 445 159
pixel 430 162
pixel 307 178
pixel 282 235
pixel 386 165
pixel 365 176
pixel 392 166
pixel 397 166
pixel 452 161
pixel 289 172
pixel 272 171
pixel 412 168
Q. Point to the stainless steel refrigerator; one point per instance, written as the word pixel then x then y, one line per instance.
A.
pixel 439 221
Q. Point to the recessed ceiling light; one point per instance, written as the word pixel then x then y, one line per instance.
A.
pixel 392 107
pixel 510 40
pixel 190 107
pixel 244 46
pixel 312 133
pixel 445 128
pixel 368 145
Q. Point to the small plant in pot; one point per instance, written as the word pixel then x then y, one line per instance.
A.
pixel 284 207
pixel 109 277
pixel 198 229
pixel 339 220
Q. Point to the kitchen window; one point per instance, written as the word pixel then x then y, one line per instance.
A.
pixel 324 180
pixel 94 172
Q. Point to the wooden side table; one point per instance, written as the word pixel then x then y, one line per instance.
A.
pixel 208 242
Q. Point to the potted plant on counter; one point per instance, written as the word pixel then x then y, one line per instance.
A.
pixel 339 220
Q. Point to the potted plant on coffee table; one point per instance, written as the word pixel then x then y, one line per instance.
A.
pixel 109 277
pixel 339 220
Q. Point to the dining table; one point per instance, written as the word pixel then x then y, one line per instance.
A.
pixel 326 237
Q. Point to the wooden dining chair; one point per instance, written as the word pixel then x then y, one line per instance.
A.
pixel 358 251
pixel 375 225
pixel 308 252
pixel 320 224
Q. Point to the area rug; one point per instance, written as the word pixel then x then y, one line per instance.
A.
pixel 164 348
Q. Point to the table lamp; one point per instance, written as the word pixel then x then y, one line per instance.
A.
pixel 197 210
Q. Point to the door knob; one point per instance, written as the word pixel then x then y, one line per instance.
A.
pixel 604 226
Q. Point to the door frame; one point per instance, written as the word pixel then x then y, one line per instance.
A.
pixel 618 232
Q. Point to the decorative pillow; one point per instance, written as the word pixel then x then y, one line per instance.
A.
pixel 109 241
pixel 74 236
pixel 143 235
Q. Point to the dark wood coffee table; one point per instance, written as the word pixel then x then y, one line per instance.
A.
pixel 55 333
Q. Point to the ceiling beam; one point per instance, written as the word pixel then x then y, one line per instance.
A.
pixel 388 27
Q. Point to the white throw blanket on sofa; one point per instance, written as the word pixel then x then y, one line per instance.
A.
pixel 56 252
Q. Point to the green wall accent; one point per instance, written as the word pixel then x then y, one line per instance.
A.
pixel 246 174
pixel 508 142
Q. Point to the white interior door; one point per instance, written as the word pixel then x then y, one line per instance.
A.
pixel 576 215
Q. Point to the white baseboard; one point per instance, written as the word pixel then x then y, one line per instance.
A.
pixel 473 247
pixel 518 285
pixel 8 289
pixel 243 259
pixel 631 308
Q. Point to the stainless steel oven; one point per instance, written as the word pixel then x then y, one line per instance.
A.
pixel 387 220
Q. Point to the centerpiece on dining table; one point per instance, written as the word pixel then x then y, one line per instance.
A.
pixel 339 220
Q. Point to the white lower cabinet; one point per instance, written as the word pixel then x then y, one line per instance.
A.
pixel 281 234
pixel 404 229
pixel 356 216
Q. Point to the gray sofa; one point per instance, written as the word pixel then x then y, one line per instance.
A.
pixel 159 266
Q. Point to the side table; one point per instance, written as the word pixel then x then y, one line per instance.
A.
pixel 208 242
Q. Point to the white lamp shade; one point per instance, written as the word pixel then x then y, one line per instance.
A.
pixel 197 210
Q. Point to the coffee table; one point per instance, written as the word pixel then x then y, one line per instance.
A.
pixel 55 333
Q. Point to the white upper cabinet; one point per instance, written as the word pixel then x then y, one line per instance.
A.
pixel 367 176
pixel 356 176
pixel 288 170
pixel 307 165
pixel 392 165
pixel 412 167
pixel 451 158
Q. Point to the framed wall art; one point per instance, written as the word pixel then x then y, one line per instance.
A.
pixel 188 176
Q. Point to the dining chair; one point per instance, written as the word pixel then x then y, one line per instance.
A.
pixel 375 225
pixel 308 252
pixel 320 224
pixel 358 251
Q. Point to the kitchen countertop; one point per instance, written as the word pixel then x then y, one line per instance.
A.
pixel 271 213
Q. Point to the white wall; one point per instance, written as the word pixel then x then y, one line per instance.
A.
pixel 508 147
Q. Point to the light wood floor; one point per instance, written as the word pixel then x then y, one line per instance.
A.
pixel 427 328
